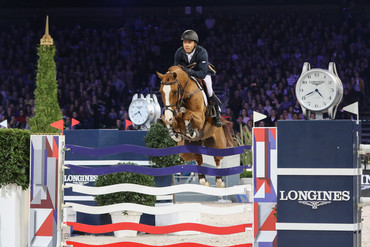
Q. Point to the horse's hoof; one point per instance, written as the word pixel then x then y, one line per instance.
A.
pixel 193 135
pixel 203 182
pixel 220 183
pixel 177 138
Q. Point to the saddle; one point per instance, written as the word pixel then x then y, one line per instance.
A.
pixel 211 110
pixel 211 106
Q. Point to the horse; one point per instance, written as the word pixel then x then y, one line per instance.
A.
pixel 185 118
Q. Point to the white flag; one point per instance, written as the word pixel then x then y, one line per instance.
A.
pixel 352 108
pixel 258 116
pixel 4 124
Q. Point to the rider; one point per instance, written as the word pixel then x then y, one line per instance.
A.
pixel 190 53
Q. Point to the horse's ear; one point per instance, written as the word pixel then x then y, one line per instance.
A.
pixel 159 75
pixel 174 75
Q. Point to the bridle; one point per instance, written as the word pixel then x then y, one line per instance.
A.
pixel 180 102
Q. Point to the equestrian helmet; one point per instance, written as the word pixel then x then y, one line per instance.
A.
pixel 190 35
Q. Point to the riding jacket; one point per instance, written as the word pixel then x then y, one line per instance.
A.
pixel 200 57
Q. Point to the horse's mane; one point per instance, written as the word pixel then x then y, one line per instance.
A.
pixel 177 68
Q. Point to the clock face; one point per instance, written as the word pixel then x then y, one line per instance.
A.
pixel 316 90
pixel 138 111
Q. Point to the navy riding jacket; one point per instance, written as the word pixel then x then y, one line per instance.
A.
pixel 200 56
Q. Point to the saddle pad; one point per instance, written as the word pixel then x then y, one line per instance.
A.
pixel 204 94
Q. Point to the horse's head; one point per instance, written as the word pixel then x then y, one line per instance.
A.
pixel 171 92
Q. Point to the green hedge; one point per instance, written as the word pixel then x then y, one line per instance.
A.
pixel 47 108
pixel 15 157
pixel 158 137
pixel 128 197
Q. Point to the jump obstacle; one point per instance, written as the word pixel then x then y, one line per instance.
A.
pixel 311 169
pixel 240 189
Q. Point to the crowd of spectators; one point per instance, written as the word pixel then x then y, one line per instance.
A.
pixel 258 61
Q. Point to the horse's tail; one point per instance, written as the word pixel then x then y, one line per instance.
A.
pixel 228 130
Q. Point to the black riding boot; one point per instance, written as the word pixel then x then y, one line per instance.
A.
pixel 217 118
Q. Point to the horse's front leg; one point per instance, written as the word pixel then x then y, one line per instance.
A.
pixel 171 128
pixel 176 136
pixel 193 122
pixel 219 180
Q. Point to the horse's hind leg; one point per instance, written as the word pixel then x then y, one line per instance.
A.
pixel 198 158
pixel 217 142
pixel 202 177
pixel 219 180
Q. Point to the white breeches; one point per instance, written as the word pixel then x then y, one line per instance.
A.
pixel 208 80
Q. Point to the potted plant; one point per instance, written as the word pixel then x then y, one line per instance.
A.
pixel 14 182
pixel 244 137
pixel 246 177
pixel 158 137
pixel 125 197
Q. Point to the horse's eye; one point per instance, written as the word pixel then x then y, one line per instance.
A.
pixel 174 92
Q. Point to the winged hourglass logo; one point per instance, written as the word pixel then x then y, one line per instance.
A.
pixel 314 204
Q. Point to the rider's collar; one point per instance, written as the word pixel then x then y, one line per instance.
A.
pixel 190 55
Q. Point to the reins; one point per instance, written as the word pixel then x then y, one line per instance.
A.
pixel 180 102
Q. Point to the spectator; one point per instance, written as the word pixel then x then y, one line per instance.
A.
pixel 119 124
pixel 101 68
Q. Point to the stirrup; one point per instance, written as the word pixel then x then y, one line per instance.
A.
pixel 217 121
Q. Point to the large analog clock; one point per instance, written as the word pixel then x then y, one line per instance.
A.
pixel 144 111
pixel 138 111
pixel 319 90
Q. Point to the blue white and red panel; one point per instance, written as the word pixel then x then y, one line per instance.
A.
pixel 265 184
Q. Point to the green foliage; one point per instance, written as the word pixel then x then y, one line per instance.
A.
pixel 14 157
pixel 245 138
pixel 128 197
pixel 47 109
pixel 246 174
pixel 158 137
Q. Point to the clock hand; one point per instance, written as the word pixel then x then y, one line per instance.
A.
pixel 310 93
pixel 317 90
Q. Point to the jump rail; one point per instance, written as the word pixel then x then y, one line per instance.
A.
pixel 156 191
pixel 156 151
pixel 160 229
pixel 156 171
pixel 175 208
pixel 134 244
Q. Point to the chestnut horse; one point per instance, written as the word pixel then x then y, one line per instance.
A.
pixel 186 121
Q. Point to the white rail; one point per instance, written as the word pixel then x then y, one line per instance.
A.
pixel 156 191
pixel 188 207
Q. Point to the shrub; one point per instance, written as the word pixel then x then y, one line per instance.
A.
pixel 158 137
pixel 246 174
pixel 15 157
pixel 128 197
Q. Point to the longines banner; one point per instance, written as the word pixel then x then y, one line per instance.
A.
pixel 318 184
pixel 315 199
pixel 365 183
